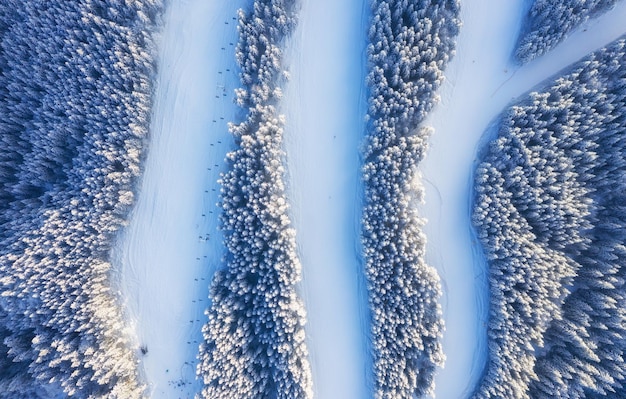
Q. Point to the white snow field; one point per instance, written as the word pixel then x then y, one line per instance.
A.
pixel 481 81
pixel 167 254
pixel 325 106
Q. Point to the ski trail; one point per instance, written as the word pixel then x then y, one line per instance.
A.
pixel 168 252
pixel 481 81
pixel 325 107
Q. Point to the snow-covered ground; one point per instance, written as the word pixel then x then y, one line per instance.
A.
pixel 167 254
pixel 325 106
pixel 481 81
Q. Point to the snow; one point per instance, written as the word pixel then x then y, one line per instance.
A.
pixel 325 106
pixel 168 252
pixel 481 81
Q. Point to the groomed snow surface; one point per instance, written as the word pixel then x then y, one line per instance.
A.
pixel 171 247
pixel 325 106
pixel 481 80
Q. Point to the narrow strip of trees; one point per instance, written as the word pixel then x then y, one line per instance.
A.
pixel 254 341
pixel 550 21
pixel 75 95
pixel 410 44
pixel 549 211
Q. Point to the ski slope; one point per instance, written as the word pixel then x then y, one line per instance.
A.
pixel 481 81
pixel 325 106
pixel 168 252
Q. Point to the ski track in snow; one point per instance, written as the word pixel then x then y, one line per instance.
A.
pixel 167 254
pixel 325 106
pixel 482 80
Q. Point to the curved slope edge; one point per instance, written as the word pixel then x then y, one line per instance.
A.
pixel 75 94
pixel 481 81
pixel 549 215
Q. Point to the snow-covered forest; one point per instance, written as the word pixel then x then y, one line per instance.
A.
pixel 548 211
pixel 75 99
pixel 312 199
pixel 549 23
pixel 254 343
pixel 410 45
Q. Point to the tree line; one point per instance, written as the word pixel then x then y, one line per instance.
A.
pixel 254 341
pixel 549 211
pixel 548 23
pixel 410 43
pixel 75 95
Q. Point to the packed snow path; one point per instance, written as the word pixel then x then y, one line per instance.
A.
pixel 168 252
pixel 325 106
pixel 481 80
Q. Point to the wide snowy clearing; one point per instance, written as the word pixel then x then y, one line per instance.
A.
pixel 169 251
pixel 172 246
pixel 481 80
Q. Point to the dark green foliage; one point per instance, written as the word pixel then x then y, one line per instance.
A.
pixel 75 92
pixel 410 44
pixel 549 211
pixel 254 340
